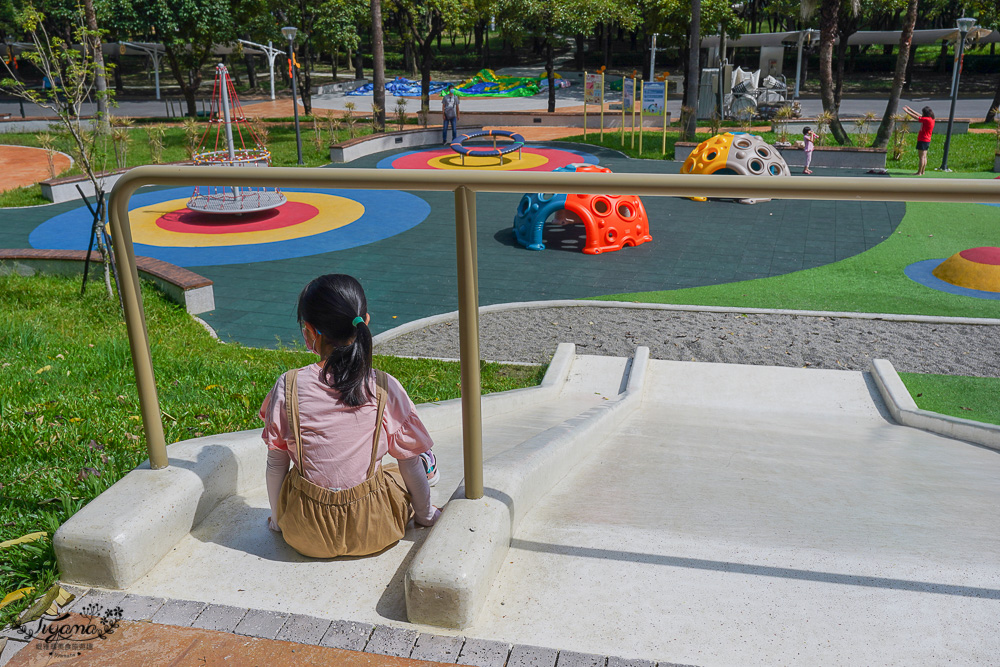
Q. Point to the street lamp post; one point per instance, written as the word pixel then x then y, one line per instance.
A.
pixel 289 34
pixel 964 26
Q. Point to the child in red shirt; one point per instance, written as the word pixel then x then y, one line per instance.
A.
pixel 926 119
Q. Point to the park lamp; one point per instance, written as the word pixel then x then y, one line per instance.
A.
pixel 289 33
pixel 965 25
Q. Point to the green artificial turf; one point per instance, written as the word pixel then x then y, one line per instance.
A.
pixel 966 397
pixel 872 282
pixel 69 412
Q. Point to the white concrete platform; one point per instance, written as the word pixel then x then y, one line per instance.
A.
pixel 739 515
pixel 736 522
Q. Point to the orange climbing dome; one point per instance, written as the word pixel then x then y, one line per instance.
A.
pixel 612 222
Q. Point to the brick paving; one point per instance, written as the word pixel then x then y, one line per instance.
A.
pixel 155 631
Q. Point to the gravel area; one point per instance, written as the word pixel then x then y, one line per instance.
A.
pixel 531 335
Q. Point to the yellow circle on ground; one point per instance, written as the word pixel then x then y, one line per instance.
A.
pixel 510 161
pixel 334 212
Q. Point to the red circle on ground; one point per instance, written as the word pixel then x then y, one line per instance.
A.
pixel 186 221
pixel 420 159
pixel 984 255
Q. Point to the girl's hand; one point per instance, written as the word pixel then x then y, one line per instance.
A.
pixel 434 517
pixel 272 525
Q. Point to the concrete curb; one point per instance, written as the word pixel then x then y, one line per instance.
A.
pixel 452 316
pixel 128 529
pixel 905 411
pixel 449 578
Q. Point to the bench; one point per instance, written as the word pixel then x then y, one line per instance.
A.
pixel 187 288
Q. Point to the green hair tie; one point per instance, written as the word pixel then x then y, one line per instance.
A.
pixel 358 320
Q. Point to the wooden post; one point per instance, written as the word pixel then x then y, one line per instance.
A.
pixel 665 84
pixel 584 104
pixel 623 111
pixel 602 105
pixel 642 100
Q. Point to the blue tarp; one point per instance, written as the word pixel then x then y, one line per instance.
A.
pixel 401 87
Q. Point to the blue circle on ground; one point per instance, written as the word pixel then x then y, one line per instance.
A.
pixel 386 162
pixel 920 272
pixel 387 213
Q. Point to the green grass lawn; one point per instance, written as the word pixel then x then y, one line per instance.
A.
pixel 966 397
pixel 281 143
pixel 69 412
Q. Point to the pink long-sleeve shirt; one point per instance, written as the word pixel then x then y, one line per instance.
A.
pixel 336 438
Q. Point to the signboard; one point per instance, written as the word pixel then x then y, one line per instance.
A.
pixel 653 97
pixel 628 91
pixel 592 91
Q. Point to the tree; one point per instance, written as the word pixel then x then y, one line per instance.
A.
pixel 829 14
pixel 425 20
pixel 378 66
pixel 693 71
pixel 188 30
pixel 100 73
pixel 902 58
pixel 72 73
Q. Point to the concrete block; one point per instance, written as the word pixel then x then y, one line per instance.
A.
pixel 574 659
pixel 532 656
pixel 219 617
pixel 349 635
pixel 261 623
pixel 386 640
pixel 101 545
pixel 484 653
pixel 437 648
pixel 629 662
pixel 303 629
pixel 178 612
pixel 140 607
pixel 11 647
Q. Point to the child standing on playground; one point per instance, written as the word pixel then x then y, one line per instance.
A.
pixel 334 421
pixel 449 113
pixel 808 142
pixel 926 119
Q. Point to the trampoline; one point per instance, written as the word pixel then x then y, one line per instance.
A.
pixel 516 144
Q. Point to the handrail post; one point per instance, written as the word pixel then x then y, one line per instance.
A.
pixel 468 333
pixel 138 336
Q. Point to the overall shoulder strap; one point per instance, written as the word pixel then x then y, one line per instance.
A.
pixel 381 395
pixel 292 412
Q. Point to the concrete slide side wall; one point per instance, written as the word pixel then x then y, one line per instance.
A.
pixel 448 580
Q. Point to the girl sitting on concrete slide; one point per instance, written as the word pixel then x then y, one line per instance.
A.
pixel 334 421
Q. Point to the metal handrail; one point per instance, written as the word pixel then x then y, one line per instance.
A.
pixel 465 185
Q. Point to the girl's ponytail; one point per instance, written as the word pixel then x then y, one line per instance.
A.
pixel 335 305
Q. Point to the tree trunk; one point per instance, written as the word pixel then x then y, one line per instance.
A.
pixel 117 71
pixel 829 11
pixel 409 62
pixel 359 62
pixel 908 79
pixel 189 84
pixel 691 77
pixel 305 78
pixel 478 29
pixel 251 67
pixel 580 41
pixel 991 114
pixel 426 59
pixel 100 74
pixel 905 40
pixel 838 88
pixel 607 44
pixel 549 66
pixel 378 65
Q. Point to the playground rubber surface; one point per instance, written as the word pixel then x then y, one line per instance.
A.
pixel 406 258
pixel 23 165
